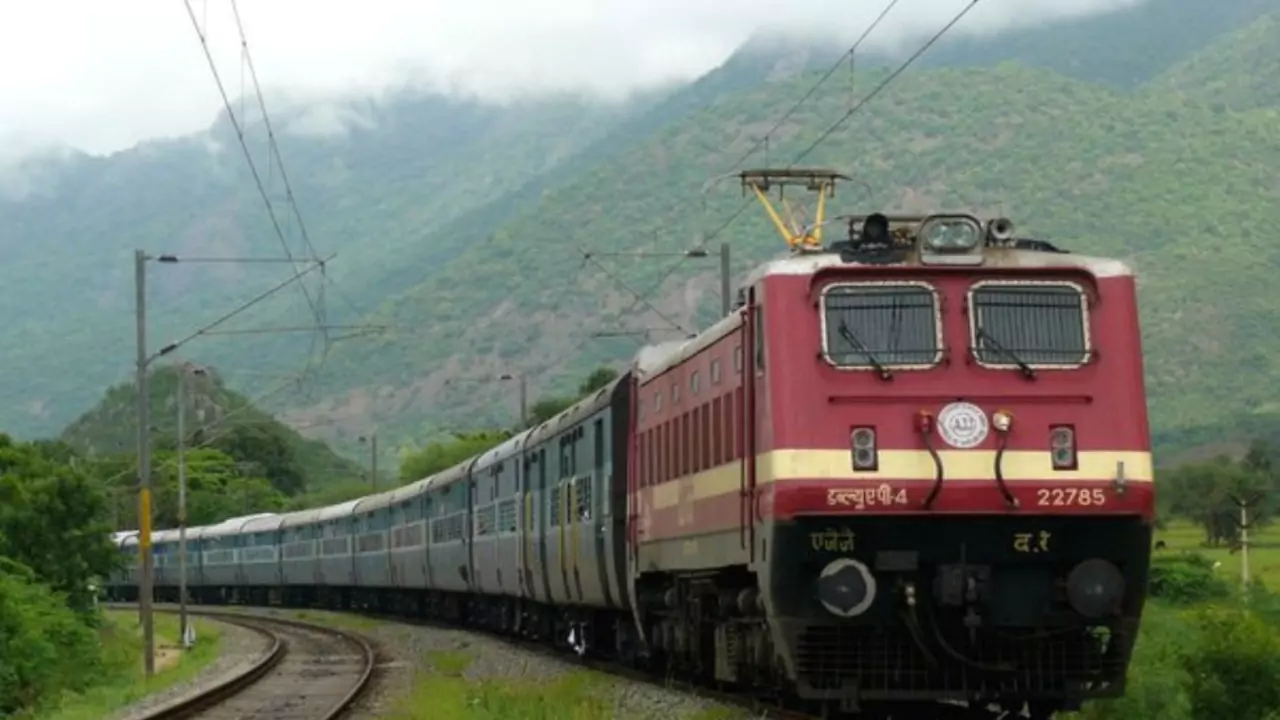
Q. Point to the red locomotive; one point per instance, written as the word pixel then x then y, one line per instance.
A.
pixel 913 467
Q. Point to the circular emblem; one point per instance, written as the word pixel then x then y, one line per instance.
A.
pixel 963 425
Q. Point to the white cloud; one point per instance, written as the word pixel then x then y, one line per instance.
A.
pixel 102 76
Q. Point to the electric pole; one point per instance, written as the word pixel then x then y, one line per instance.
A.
pixel 144 469
pixel 524 395
pixel 182 369
pixel 373 458
pixel 726 303
pixel 1244 504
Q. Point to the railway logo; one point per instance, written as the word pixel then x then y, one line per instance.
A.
pixel 963 425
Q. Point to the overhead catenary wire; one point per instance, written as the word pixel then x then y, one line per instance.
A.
pixel 886 82
pixel 248 156
pixel 274 148
pixel 205 329
pixel 825 134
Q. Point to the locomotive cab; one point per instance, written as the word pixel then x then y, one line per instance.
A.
pixel 953 477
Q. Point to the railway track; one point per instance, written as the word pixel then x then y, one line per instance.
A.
pixel 758 707
pixel 310 672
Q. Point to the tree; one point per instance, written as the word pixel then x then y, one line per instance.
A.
pixel 53 519
pixel 1203 492
pixel 600 377
pixel 441 455
pixel 548 407
pixel 261 444
pixel 438 456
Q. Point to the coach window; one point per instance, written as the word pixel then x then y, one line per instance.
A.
pixel 657 401
pixel 874 326
pixel 675 393
pixel 737 359
pixel 1022 325
pixel 693 382
pixel 715 371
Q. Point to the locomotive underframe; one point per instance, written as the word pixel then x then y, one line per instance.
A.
pixel 962 609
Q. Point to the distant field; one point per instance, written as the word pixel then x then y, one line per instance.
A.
pixel 1264 553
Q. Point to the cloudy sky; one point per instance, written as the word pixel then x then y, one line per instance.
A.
pixel 101 75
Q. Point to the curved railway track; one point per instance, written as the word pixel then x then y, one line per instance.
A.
pixel 310 672
pixel 763 707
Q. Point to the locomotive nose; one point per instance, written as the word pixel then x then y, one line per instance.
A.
pixel 1094 587
pixel 846 588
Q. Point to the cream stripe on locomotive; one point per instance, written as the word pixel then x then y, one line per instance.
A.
pixel 1017 466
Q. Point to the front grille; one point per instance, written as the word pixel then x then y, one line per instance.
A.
pixel 887 661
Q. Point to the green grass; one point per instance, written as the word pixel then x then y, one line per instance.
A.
pixel 445 693
pixel 1264 558
pixel 124 683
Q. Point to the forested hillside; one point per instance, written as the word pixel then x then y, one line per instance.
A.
pixel 217 420
pixel 1183 189
pixel 461 225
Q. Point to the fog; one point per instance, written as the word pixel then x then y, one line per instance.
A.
pixel 102 76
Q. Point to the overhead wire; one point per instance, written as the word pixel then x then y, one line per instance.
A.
pixel 763 140
pixel 274 148
pixel 206 328
pixel 825 134
pixel 248 156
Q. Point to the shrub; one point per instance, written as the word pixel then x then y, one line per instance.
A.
pixel 1186 578
pixel 45 647
pixel 1232 670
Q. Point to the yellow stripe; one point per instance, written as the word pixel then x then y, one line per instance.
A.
pixel 1017 466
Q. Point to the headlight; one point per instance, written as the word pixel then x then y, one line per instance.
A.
pixel 846 588
pixel 950 234
pixel 1095 587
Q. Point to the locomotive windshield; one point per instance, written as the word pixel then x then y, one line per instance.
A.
pixel 881 325
pixel 1024 325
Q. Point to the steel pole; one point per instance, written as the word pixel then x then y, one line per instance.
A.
pixel 524 403
pixel 182 507
pixel 373 460
pixel 144 469
pixel 726 302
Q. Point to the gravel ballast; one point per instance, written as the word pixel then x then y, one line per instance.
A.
pixel 405 653
pixel 492 659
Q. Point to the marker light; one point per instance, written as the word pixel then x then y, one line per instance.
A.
pixel 924 422
pixel 1062 446
pixel 950 234
pixel 864 448
pixel 1002 421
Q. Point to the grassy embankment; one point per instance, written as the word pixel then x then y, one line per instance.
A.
pixel 125 683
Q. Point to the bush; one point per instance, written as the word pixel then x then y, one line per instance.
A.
pixel 1232 670
pixel 45 647
pixel 1156 688
pixel 1186 578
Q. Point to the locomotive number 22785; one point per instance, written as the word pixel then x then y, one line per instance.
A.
pixel 1062 497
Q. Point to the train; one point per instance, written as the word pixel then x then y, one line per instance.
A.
pixel 909 471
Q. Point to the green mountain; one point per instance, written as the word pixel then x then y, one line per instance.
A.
pixel 373 180
pixel 1236 71
pixel 462 225
pixel 214 417
pixel 1177 188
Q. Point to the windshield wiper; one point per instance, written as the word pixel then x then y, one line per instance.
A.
pixel 848 335
pixel 1027 371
